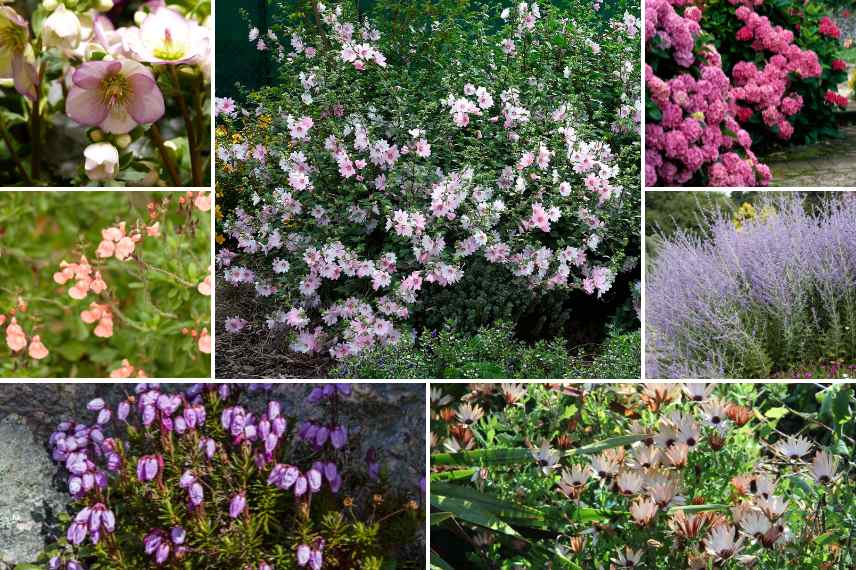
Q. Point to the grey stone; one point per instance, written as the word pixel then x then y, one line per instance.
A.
pixel 28 499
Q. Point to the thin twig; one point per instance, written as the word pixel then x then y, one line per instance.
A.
pixel 157 139
pixel 192 142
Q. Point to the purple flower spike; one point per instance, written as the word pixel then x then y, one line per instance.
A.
pixel 96 405
pixel 321 436
pixel 237 505
pixel 104 416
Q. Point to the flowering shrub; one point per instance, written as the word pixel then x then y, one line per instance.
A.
pixel 734 75
pixel 197 479
pixel 375 175
pixel 105 284
pixel 100 92
pixel 774 292
pixel 657 476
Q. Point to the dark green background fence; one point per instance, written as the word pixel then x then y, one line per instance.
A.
pixel 238 61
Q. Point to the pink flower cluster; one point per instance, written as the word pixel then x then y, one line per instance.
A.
pixel 85 280
pixel 834 98
pixel 16 340
pixel 699 129
pixel 116 243
pixel 461 108
pixel 101 314
pixel 828 28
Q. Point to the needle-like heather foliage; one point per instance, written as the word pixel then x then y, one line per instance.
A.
pixel 759 297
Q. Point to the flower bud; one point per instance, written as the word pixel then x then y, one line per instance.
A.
pixel 122 141
pixel 61 29
pixel 102 161
pixel 49 5
pixel 104 5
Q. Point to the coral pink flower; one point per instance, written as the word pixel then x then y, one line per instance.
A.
pixel 124 371
pixel 204 342
pixel 114 95
pixel 15 337
pixel 37 349
pixel 203 201
pixel 204 287
pixel 153 230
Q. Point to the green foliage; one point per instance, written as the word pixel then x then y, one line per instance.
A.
pixel 493 353
pixel 153 295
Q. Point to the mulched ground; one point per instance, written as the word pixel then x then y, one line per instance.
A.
pixel 262 355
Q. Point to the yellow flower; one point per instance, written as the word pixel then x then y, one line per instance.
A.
pixel 220 239
pixel 237 138
pixel 221 131
pixel 218 213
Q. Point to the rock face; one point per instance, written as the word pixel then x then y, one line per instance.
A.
pixel 28 498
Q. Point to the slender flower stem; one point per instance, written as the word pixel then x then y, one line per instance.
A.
pixel 36 130
pixel 192 142
pixel 9 144
pixel 157 139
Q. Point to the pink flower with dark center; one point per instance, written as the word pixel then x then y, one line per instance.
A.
pixel 114 95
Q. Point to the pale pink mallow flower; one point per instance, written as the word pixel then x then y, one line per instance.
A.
pixel 16 55
pixel 168 37
pixel 114 95
pixel 203 201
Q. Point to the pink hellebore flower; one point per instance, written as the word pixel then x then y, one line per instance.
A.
pixel 168 37
pixel 114 95
pixel 16 55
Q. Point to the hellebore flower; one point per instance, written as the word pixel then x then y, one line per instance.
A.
pixel 114 95
pixel 168 37
pixel 61 29
pixel 237 505
pixel 102 161
pixel 148 467
pixel 16 54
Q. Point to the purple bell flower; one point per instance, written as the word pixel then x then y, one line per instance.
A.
pixel 237 505
pixel 96 405
pixel 148 467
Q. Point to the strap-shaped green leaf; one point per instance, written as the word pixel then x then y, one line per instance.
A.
pixel 469 512
pixel 438 563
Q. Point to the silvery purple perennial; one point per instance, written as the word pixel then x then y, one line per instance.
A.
pixel 770 296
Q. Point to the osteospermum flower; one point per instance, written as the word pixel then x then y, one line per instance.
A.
pixel 721 543
pixel 823 467
pixel 168 37
pixel 468 414
pixel 643 511
pixel 114 95
pixel 546 457
pixel 629 558
pixel 793 447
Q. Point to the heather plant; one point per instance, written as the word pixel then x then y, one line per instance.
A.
pixel 104 93
pixel 384 166
pixel 657 476
pixel 98 284
pixel 201 479
pixel 765 294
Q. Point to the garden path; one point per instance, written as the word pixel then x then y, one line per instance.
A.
pixel 828 163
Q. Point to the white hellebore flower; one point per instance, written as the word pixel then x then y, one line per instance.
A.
pixel 62 29
pixel 102 161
